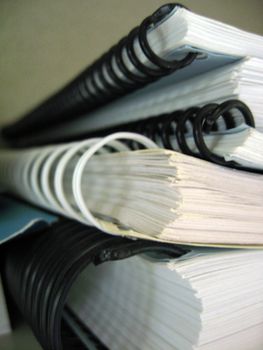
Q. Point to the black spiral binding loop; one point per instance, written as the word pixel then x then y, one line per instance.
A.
pixel 191 116
pixel 203 120
pixel 40 271
pixel 147 74
pixel 100 83
pixel 165 128
pixel 169 66
pixel 165 67
pixel 207 117
pixel 181 130
pixel 173 127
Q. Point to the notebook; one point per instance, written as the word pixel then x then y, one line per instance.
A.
pixel 154 193
pixel 106 292
pixel 242 80
pixel 222 133
pixel 206 299
pixel 171 39
pixel 40 269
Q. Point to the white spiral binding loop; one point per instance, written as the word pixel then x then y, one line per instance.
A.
pixel 66 165
pixel 27 160
pixel 48 175
pixel 82 163
pixel 35 176
pixel 51 176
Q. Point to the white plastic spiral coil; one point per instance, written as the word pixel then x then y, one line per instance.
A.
pixel 51 176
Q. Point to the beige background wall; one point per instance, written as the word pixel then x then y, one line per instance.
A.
pixel 45 43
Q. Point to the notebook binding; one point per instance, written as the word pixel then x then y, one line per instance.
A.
pixel 40 270
pixel 164 128
pixel 203 120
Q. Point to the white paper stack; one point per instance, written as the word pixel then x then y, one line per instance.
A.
pixel 205 300
pixel 155 193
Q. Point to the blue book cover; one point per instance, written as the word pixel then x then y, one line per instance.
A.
pixel 17 218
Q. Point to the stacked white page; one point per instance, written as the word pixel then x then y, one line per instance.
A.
pixel 205 300
pixel 154 193
pixel 241 144
pixel 183 31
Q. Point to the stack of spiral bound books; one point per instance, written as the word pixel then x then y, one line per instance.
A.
pixel 136 212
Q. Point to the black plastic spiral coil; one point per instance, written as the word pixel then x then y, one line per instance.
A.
pixel 165 128
pixel 85 93
pixel 39 272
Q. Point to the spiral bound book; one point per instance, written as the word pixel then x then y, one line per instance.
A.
pixel 153 194
pixel 203 300
pixel 172 39
pixel 242 80
pixel 39 272
pixel 96 291
pixel 222 133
